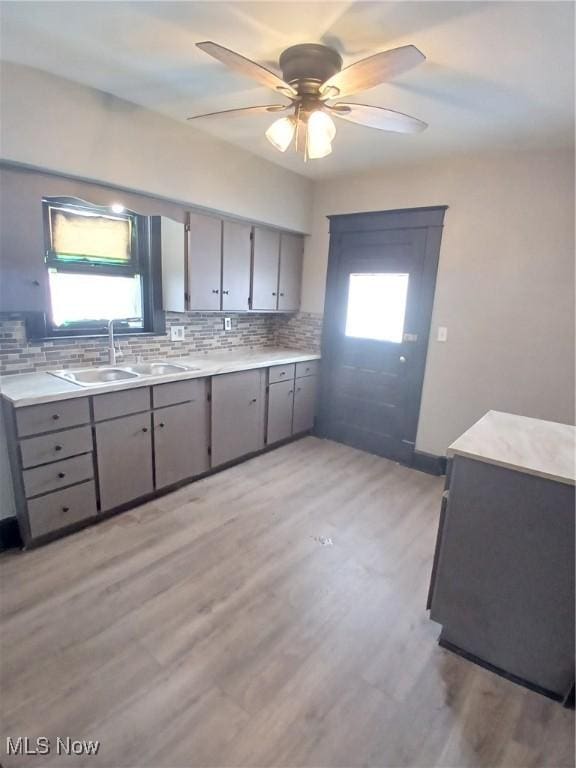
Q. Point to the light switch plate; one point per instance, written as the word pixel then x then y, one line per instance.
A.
pixel 227 323
pixel 442 334
pixel 176 333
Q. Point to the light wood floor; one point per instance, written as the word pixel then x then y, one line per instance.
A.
pixel 216 627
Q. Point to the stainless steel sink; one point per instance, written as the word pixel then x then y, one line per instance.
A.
pixel 90 377
pixel 159 369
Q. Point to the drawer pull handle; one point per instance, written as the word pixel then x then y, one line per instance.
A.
pixel 65 509
pixel 61 474
pixel 57 447
pixel 144 429
pixel 55 417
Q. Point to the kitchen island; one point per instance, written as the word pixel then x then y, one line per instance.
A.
pixel 502 582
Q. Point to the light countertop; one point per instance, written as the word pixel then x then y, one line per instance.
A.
pixel 533 446
pixel 41 387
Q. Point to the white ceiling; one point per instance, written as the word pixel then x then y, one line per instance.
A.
pixel 497 74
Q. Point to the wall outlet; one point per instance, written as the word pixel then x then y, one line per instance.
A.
pixel 227 323
pixel 442 334
pixel 176 333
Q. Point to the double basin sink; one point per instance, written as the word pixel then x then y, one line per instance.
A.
pixel 91 377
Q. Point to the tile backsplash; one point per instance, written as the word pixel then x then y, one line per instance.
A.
pixel 204 332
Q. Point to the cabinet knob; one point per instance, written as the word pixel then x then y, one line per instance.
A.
pixel 65 509
pixel 36 282
pixel 282 373
pixel 57 447
pixel 161 424
pixel 281 294
pixel 291 392
pixel 215 290
pixel 61 474
pixel 144 429
pixel 254 400
pixel 226 293
pixel 55 417
pixel 402 359
pixel 273 293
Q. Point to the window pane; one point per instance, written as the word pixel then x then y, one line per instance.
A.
pixel 376 306
pixel 80 297
pixel 85 235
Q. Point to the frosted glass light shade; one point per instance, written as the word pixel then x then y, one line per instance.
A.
pixel 319 134
pixel 281 133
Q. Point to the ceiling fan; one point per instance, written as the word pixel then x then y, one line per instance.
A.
pixel 313 80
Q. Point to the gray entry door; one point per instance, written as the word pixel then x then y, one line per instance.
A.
pixel 379 301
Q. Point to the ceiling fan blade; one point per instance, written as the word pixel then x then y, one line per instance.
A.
pixel 372 71
pixel 246 67
pixel 378 117
pixel 244 111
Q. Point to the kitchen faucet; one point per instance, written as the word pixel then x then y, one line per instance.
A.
pixel 111 343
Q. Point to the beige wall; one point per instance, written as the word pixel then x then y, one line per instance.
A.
pixel 57 125
pixel 505 285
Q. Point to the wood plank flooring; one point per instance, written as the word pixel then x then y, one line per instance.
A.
pixel 217 626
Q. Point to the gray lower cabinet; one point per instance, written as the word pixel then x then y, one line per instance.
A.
pixel 304 404
pixel 124 450
pixel 181 442
pixel 237 415
pixel 280 409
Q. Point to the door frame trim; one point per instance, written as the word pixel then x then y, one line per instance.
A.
pixel 430 218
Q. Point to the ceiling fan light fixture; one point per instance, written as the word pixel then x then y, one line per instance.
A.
pixel 281 133
pixel 320 131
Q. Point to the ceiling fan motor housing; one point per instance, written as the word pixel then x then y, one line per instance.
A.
pixel 309 62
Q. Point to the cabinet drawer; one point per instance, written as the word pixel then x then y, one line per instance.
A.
pixel 51 477
pixel 61 509
pixel 281 373
pixel 178 392
pixel 309 368
pixel 60 445
pixel 35 419
pixel 114 404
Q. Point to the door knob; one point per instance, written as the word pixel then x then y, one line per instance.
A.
pixel 402 359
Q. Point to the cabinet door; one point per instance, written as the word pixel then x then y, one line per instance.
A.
pixel 181 441
pixel 204 262
pixel 124 448
pixel 237 415
pixel 236 257
pixel 171 237
pixel 291 251
pixel 304 404
pixel 280 406
pixel 265 263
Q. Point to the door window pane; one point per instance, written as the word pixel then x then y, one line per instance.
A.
pixel 377 306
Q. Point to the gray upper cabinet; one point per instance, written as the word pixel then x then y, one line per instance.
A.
pixel 291 253
pixel 236 258
pixel 171 236
pixel 204 262
pixel 238 401
pixel 265 265
pixel 124 448
pixel 181 441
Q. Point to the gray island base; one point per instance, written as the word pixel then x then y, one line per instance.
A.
pixel 502 583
